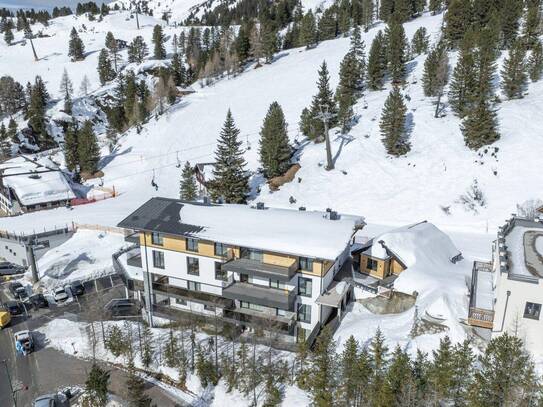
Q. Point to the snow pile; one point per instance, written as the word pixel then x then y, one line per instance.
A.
pixel 41 187
pixel 86 255
pixel 440 286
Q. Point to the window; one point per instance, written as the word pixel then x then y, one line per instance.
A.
pixel 209 307
pixel 250 305
pixel 192 244
pixel 277 284
pixel 280 312
pixel 251 254
pixel 221 250
pixel 194 286
pixel 306 264
pixel 372 264
pixel 304 313
pixel 193 266
pixel 179 301
pixel 220 274
pixel 244 278
pixel 305 286
pixel 532 310
pixel 157 239
pixel 158 259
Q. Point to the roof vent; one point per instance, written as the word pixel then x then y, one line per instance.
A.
pixel 301 208
pixel 260 205
pixel 334 215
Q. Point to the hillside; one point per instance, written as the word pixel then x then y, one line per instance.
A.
pixel 386 190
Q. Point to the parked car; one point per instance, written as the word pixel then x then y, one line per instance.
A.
pixel 8 269
pixel 49 400
pixel 60 294
pixel 17 289
pixel 38 301
pixel 24 343
pixel 77 288
pixel 5 319
pixel 14 307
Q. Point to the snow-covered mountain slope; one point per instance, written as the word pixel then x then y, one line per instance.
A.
pixel 366 181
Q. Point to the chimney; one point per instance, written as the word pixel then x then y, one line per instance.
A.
pixel 334 215
pixel 260 205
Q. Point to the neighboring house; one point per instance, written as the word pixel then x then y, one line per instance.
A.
pixel 203 172
pixel 255 267
pixel 28 185
pixel 376 260
pixel 507 294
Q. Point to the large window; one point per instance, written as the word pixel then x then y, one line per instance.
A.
pixel 193 266
pixel 304 313
pixel 305 286
pixel 306 263
pixel 221 250
pixel 192 244
pixel 157 239
pixel 250 305
pixel 277 284
pixel 158 259
pixel 220 274
pixel 194 286
pixel 180 301
pixel 532 310
pixel 372 264
pixel 251 254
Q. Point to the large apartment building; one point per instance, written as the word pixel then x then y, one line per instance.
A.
pixel 257 267
pixel 507 293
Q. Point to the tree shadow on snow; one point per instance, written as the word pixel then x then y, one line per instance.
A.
pixel 409 125
pixel 46 57
pixel 345 139
pixel 109 158
pixel 410 67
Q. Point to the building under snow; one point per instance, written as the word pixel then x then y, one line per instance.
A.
pixel 255 267
pixel 29 184
pixel 507 294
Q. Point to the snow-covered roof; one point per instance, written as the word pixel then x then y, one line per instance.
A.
pixel 524 246
pixel 42 187
pixel 303 233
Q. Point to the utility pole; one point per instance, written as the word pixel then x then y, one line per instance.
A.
pixel 136 6
pixel 325 116
pixel 32 260
pixel 10 385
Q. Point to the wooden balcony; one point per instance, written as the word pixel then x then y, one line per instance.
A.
pixel 482 318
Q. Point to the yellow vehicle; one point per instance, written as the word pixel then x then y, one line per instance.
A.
pixel 5 319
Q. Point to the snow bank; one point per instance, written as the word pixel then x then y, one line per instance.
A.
pixel 86 255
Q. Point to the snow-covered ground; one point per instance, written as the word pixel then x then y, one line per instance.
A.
pixel 539 245
pixel 86 255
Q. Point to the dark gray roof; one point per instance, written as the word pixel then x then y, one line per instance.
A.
pixel 160 215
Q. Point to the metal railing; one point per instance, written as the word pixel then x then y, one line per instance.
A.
pixel 481 317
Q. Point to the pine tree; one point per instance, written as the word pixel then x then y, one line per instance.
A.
pixel 322 376
pixel 513 72
pixel 96 386
pixel 377 62
pixel 274 150
pixel 358 50
pixel 269 42
pixel 76 49
pixel 147 350
pixel 386 9
pixel 420 377
pixel 436 73
pixel 463 86
pixel 308 30
pixel 71 154
pixel 84 86
pixel 87 149
pixel 137 50
pixel 435 6
pixel 8 36
pixel 179 72
pixel 349 390
pixel 12 131
pixel 440 372
pixel 420 41
pixel 462 373
pixel 5 145
pixel 171 351
pixel 188 191
pixel 323 102
pixel 480 126
pixel 399 382
pixel 393 124
pixel 396 51
pixel 135 387
pixel 457 20
pixel 66 88
pixel 105 69
pixel 327 26
pixel 346 91
pixel 535 62
pixel 36 114
pixel 113 48
pixel 158 41
pixel 532 25
pixel 510 14
pixel 379 362
pixel 230 179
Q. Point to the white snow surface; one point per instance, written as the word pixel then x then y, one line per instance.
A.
pixel 515 247
pixel 306 233
pixel 32 189
pixel 539 245
pixel 86 255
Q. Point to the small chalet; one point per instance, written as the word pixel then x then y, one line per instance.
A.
pixel 375 259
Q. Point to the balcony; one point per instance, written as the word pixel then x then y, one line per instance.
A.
pixel 261 320
pixel 259 269
pixel 269 297
pixel 481 301
pixel 134 260
pixel 133 238
pixel 199 296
